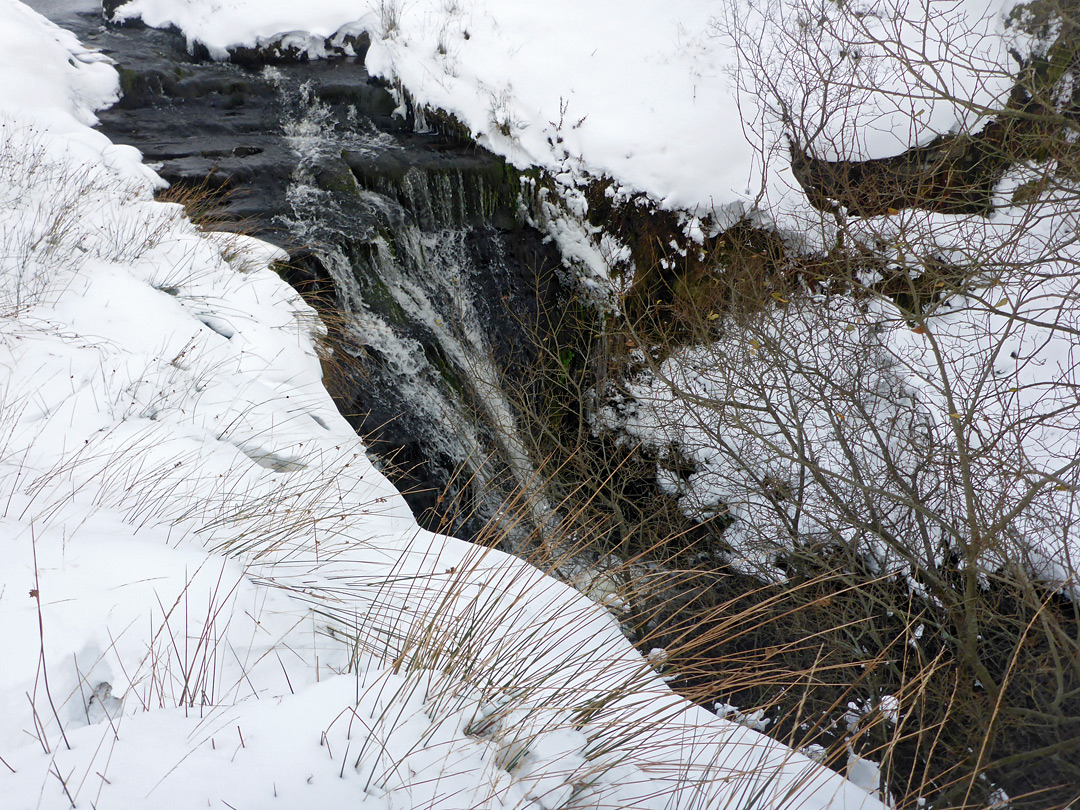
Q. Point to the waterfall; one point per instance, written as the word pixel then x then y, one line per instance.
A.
pixel 416 243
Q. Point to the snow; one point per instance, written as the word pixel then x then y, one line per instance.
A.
pixel 820 417
pixel 647 93
pixel 210 595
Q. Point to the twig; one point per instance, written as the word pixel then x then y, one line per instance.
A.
pixel 42 668
pixel 55 771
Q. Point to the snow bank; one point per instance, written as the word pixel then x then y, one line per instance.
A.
pixel 208 593
pixel 644 91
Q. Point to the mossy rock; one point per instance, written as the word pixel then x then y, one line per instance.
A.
pixel 335 176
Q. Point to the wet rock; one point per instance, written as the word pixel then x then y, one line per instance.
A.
pixel 219 125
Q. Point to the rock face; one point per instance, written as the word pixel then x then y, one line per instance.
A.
pixel 412 243
pixel 220 125
pixel 956 174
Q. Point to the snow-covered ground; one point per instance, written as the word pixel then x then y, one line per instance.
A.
pixel 209 596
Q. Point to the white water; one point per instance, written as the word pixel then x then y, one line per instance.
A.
pixel 428 272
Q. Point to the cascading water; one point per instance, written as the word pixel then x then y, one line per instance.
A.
pixel 417 263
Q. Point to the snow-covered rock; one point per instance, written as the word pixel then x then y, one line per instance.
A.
pixel 647 93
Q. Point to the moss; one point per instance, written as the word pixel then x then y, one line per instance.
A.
pixel 335 176
pixel 446 369
pixel 129 80
pixel 379 298
pixel 235 87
